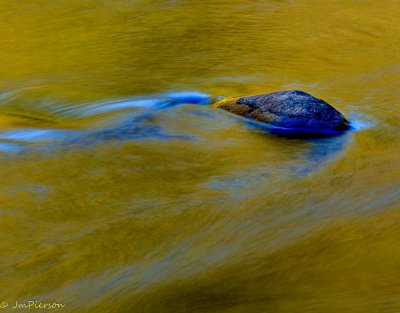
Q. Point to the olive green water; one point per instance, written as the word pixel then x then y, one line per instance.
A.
pixel 217 216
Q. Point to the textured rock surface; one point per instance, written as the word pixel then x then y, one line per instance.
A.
pixel 289 109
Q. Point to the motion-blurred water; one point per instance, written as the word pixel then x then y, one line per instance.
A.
pixel 123 191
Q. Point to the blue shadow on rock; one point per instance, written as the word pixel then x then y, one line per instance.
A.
pixel 296 133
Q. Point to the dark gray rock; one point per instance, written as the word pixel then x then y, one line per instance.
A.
pixel 295 109
pixel 289 109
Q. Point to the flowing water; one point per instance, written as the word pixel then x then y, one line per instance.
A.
pixel 123 191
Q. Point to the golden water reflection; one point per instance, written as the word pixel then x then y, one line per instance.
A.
pixel 228 218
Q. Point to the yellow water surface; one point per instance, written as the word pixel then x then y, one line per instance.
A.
pixel 190 209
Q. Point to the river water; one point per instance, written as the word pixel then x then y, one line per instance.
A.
pixel 117 197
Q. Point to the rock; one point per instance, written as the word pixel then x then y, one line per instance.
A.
pixel 291 109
